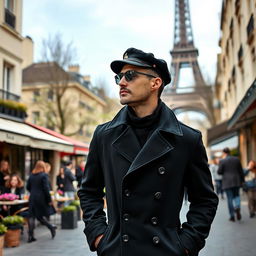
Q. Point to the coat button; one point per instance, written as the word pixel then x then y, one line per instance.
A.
pixel 127 192
pixel 158 195
pixel 125 238
pixel 156 240
pixel 126 217
pixel 161 170
pixel 154 220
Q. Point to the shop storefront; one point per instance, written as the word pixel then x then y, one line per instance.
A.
pixel 220 137
pixel 22 145
pixel 239 132
pixel 244 121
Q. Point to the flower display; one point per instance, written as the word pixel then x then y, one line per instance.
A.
pixel 60 192
pixel 8 197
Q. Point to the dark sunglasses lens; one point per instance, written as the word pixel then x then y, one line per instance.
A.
pixel 118 77
pixel 129 75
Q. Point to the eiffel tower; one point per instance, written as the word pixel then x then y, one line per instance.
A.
pixel 193 94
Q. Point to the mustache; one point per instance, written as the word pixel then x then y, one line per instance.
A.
pixel 124 90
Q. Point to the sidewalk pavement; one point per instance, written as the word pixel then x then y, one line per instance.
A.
pixel 226 238
pixel 66 242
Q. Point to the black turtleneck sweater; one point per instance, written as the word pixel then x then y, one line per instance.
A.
pixel 144 127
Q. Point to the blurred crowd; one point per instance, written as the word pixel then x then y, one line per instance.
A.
pixel 38 192
pixel 230 179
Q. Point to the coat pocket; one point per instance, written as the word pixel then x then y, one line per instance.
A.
pixel 103 240
pixel 174 243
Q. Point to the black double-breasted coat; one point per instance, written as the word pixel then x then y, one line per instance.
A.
pixel 145 188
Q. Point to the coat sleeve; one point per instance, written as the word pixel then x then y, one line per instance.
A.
pixel 28 184
pixel 202 198
pixel 220 169
pixel 91 194
pixel 46 188
pixel 241 171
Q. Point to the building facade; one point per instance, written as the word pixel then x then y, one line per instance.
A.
pixel 20 144
pixel 81 108
pixel 235 90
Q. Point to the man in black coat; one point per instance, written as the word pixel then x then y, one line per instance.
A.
pixel 232 178
pixel 144 158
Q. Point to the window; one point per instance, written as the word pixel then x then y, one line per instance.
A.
pixel 50 95
pixel 81 132
pixel 83 105
pixel 35 117
pixel 9 5
pixel 9 13
pixel 36 95
pixel 7 79
pixel 50 125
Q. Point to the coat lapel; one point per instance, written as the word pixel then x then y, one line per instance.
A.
pixel 127 144
pixel 157 145
pixel 154 148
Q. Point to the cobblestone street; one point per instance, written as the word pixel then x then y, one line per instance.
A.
pixel 226 238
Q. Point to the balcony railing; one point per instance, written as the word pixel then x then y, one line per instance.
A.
pixel 8 95
pixel 10 107
pixel 10 18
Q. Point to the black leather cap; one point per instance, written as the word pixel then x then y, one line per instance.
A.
pixel 135 57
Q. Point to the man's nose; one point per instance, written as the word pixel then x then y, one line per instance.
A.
pixel 123 82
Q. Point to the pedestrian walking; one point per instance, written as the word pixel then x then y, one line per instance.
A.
pixel 214 166
pixel 40 202
pixel 60 181
pixel 232 178
pixel 69 177
pixel 80 172
pixel 250 187
pixel 144 158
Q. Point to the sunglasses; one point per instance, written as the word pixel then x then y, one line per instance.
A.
pixel 130 75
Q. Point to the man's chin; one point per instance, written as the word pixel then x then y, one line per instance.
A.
pixel 123 102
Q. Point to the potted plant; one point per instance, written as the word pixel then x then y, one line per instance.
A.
pixel 3 230
pixel 14 226
pixel 76 203
pixel 69 217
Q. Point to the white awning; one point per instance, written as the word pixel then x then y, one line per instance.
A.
pixel 22 134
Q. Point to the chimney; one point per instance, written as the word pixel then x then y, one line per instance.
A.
pixel 87 78
pixel 74 68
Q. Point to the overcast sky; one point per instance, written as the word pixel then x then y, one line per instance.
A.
pixel 102 30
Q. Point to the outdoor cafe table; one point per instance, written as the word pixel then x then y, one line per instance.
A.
pixel 14 202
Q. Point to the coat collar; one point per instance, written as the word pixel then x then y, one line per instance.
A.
pixel 156 146
pixel 168 121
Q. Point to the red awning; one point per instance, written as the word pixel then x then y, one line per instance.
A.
pixel 80 148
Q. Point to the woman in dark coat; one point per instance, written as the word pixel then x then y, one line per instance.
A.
pixel 40 200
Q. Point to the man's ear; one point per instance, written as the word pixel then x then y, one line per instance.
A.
pixel 156 83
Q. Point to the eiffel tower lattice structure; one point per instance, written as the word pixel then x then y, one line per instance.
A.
pixel 180 95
